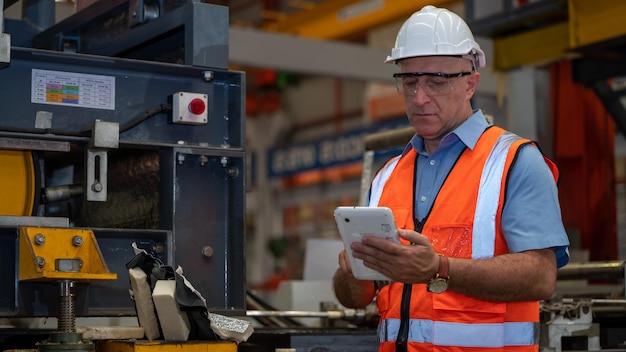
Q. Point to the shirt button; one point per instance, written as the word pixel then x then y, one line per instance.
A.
pixel 432 162
pixel 423 198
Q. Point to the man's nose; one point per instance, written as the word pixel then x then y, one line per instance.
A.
pixel 420 96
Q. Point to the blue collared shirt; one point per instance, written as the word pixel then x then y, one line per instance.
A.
pixel 531 218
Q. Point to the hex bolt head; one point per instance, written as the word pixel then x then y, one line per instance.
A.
pixel 208 76
pixel 40 239
pixel 40 262
pixel 233 171
pixel 207 251
pixel 77 241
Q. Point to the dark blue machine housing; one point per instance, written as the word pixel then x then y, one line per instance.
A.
pixel 175 190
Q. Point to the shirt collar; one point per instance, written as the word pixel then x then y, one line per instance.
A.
pixel 468 133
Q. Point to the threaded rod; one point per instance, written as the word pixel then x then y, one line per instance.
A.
pixel 66 314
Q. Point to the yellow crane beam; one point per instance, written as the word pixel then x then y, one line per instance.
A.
pixel 595 21
pixel 589 22
pixel 344 19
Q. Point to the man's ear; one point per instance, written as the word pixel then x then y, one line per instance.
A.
pixel 472 82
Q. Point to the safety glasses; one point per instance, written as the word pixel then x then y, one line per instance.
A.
pixel 432 83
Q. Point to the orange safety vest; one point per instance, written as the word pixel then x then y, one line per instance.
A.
pixel 464 222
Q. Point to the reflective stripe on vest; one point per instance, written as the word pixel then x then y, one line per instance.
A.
pixel 379 182
pixel 484 233
pixel 463 335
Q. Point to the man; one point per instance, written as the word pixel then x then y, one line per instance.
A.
pixel 478 206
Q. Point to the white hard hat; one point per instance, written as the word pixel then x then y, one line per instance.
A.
pixel 435 31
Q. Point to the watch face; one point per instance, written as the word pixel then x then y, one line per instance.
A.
pixel 437 285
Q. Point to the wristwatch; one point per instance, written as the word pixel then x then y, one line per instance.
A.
pixel 439 283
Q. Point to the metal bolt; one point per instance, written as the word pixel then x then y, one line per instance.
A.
pixel 181 158
pixel 224 161
pixel 204 160
pixel 233 171
pixel 40 261
pixel 207 251
pixel 40 239
pixel 97 187
pixel 77 241
pixel 158 248
pixel 208 76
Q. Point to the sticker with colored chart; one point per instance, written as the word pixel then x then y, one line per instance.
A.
pixel 73 89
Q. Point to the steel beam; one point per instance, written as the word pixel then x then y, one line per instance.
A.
pixel 254 48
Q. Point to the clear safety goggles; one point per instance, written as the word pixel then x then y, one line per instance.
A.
pixel 432 83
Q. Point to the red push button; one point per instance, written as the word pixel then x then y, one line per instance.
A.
pixel 197 106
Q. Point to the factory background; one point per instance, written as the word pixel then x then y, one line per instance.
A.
pixel 312 86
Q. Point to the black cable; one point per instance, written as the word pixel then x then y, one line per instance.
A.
pixel 146 115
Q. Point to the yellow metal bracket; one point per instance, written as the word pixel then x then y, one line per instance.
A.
pixel 595 21
pixel 532 47
pixel 52 254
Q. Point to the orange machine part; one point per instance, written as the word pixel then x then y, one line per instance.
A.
pixel 17 183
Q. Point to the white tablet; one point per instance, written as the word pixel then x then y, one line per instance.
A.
pixel 355 222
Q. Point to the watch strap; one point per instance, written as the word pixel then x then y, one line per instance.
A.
pixel 444 268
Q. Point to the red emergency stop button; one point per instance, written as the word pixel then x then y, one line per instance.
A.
pixel 197 106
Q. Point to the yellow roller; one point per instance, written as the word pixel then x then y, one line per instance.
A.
pixel 17 183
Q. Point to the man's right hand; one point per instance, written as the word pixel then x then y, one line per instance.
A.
pixel 350 291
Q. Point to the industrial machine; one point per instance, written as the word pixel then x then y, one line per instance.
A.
pixel 587 310
pixel 124 121
pixel 123 125
pixel 98 153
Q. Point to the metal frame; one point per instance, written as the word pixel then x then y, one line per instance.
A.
pixel 180 35
pixel 513 20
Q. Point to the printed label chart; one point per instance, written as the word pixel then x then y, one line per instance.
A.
pixel 73 89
